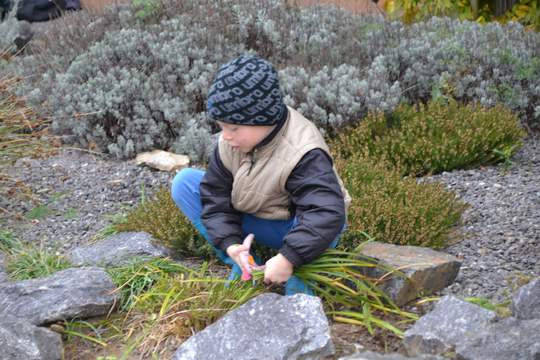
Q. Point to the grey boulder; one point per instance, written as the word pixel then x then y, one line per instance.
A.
pixel 269 326
pixel 509 339
pixel 426 271
pixel 526 301
pixel 67 294
pixel 118 249
pixel 369 355
pixel 451 321
pixel 20 340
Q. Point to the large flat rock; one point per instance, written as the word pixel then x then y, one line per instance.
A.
pixel 426 270
pixel 269 326
pixel 67 294
pixel 450 321
pixel 118 249
pixel 20 340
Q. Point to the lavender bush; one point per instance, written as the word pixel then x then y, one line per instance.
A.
pixel 140 83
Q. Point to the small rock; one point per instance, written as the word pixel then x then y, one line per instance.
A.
pixel 163 160
pixel 118 249
pixel 426 270
pixel 526 302
pixel 270 326
pixel 67 294
pixel 20 340
pixel 440 330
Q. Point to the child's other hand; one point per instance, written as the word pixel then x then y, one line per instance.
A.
pixel 239 251
pixel 278 270
pixel 234 252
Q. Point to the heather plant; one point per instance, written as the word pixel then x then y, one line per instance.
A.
pixel 160 217
pixel 440 136
pixel 394 209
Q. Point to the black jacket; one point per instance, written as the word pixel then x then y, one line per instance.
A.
pixel 316 201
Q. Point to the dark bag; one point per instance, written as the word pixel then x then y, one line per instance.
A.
pixel 40 10
pixel 5 6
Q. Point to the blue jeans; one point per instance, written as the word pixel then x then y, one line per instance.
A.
pixel 186 195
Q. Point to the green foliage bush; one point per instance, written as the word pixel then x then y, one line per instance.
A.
pixel 394 209
pixel 160 217
pixel 433 138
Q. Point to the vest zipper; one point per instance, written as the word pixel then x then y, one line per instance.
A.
pixel 253 160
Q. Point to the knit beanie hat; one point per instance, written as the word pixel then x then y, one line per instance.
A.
pixel 246 92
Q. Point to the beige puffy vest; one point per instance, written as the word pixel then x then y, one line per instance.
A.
pixel 259 187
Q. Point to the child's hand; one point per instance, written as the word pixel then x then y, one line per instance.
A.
pixel 234 251
pixel 240 254
pixel 278 270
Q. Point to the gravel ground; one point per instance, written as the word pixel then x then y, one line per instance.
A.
pixel 501 229
pixel 79 192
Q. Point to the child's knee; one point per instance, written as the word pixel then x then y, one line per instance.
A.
pixel 180 183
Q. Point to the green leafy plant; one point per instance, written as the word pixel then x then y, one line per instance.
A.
pixel 39 212
pixel 28 262
pixel 159 216
pixel 502 309
pixel 505 155
pixel 145 8
pixel 526 12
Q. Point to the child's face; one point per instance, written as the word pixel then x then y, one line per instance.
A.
pixel 244 137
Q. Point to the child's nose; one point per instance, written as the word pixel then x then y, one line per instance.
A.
pixel 227 135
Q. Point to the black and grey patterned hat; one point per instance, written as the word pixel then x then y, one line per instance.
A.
pixel 246 92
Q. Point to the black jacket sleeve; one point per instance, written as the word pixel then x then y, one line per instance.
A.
pixel 221 220
pixel 318 205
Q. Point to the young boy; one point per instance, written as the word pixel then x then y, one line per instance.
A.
pixel 270 175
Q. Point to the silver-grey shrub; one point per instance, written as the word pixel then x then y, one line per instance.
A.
pixel 142 83
pixel 136 90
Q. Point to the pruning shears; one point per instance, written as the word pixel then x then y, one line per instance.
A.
pixel 247 263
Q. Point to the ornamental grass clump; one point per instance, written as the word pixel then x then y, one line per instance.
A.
pixel 394 209
pixel 24 261
pixel 350 296
pixel 166 302
pixel 429 139
pixel 20 130
pixel 160 217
